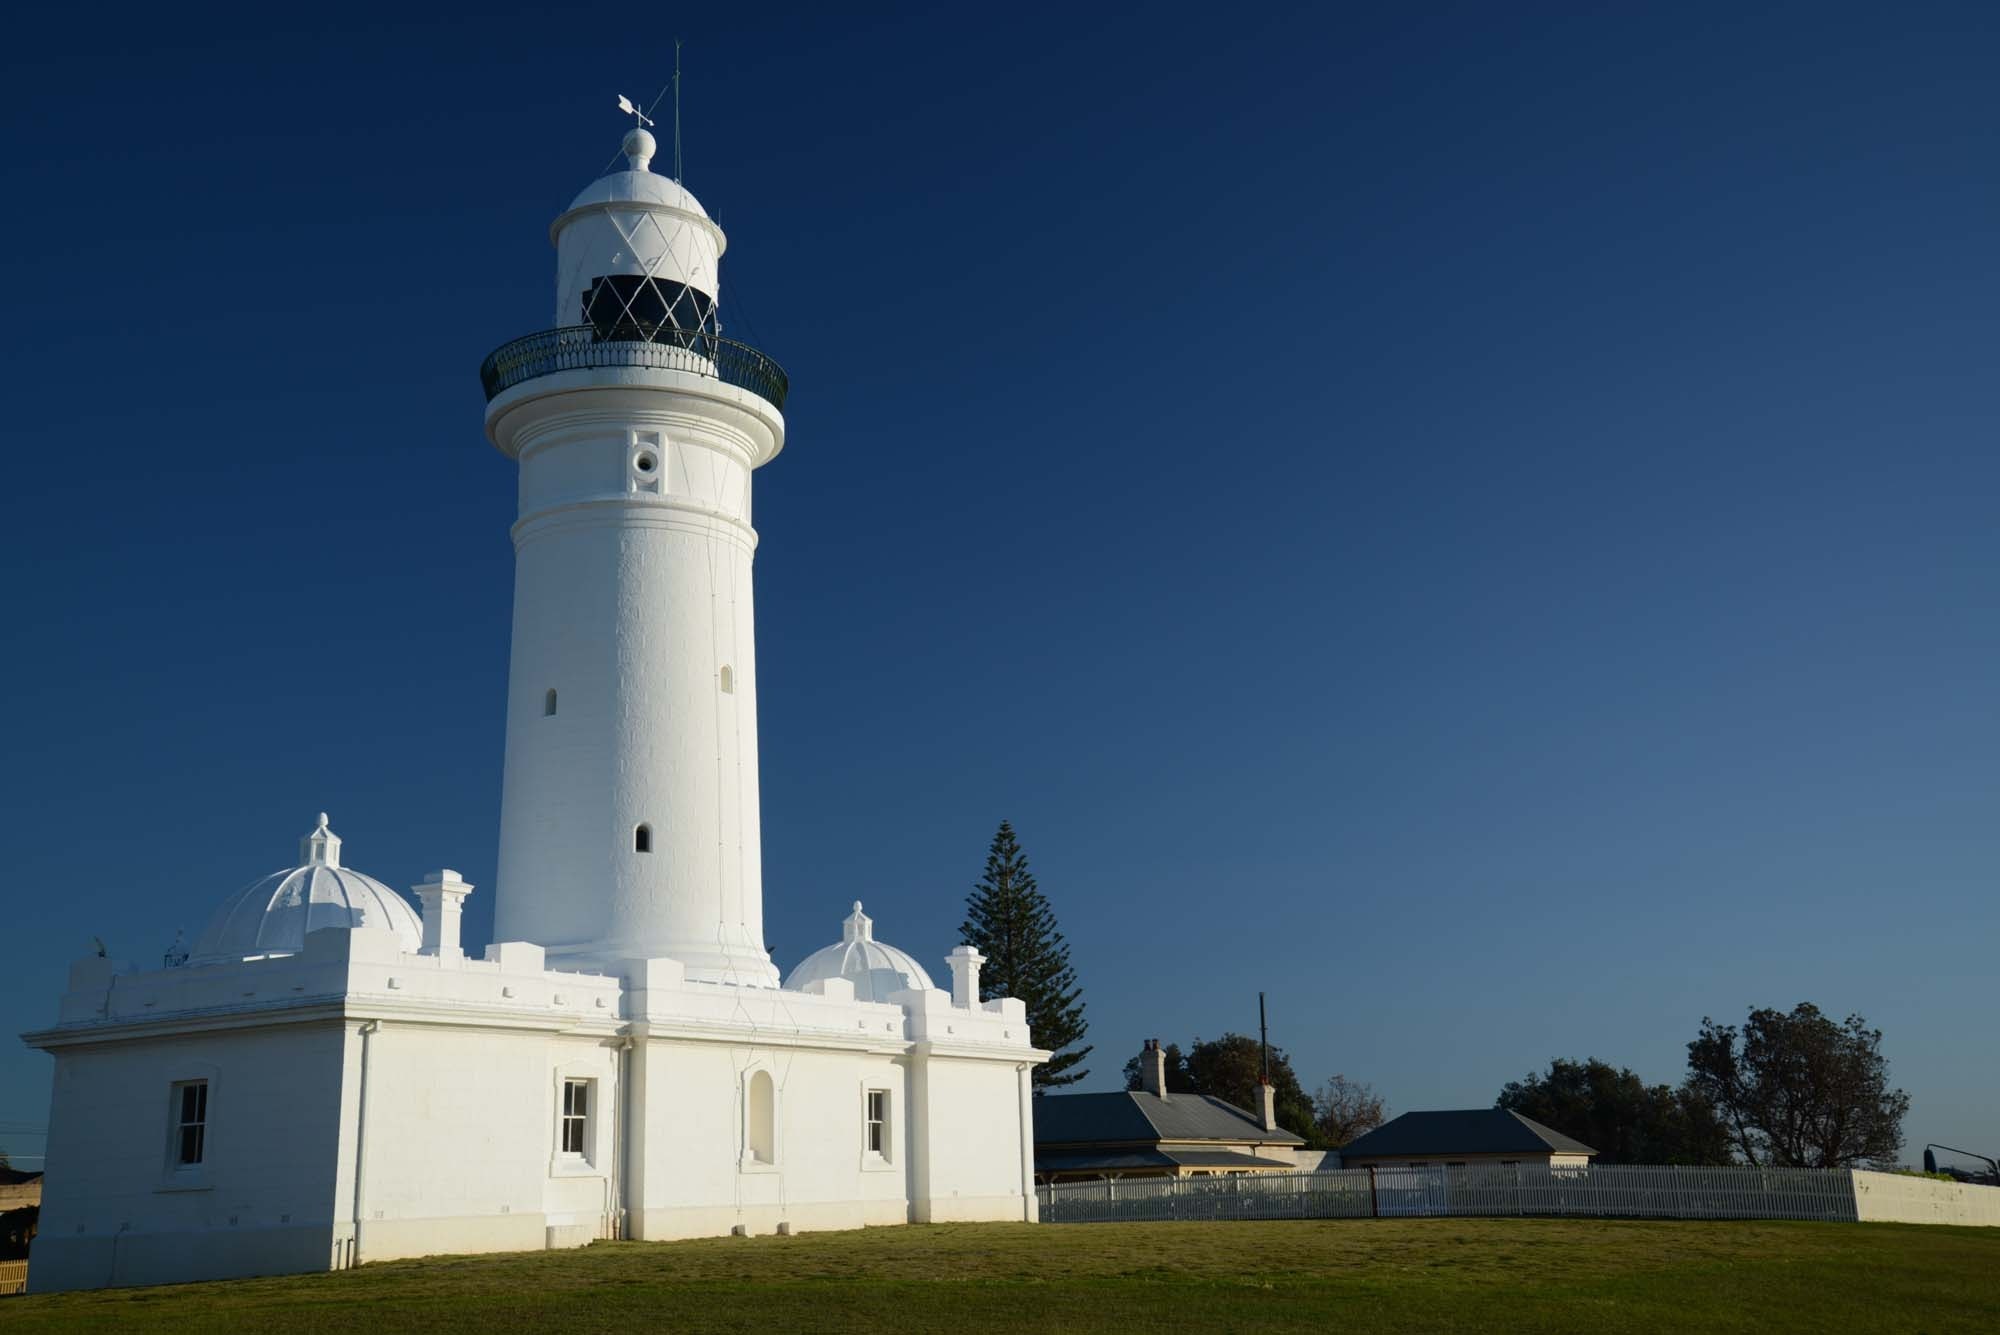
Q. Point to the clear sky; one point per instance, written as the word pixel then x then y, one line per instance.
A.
pixel 1478 521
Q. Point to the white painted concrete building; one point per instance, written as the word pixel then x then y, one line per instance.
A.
pixel 327 1078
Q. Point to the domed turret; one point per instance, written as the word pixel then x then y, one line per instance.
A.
pixel 877 970
pixel 637 256
pixel 272 916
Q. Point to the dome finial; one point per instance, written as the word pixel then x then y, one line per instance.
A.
pixel 322 846
pixel 858 927
pixel 639 147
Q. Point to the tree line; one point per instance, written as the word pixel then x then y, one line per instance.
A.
pixel 1786 1088
pixel 1792 1089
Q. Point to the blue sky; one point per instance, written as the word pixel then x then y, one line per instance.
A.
pixel 1477 521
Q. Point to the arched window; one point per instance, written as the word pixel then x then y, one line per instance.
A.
pixel 728 680
pixel 549 703
pixel 762 1133
pixel 642 839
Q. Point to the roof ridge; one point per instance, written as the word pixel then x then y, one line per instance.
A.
pixel 1555 1139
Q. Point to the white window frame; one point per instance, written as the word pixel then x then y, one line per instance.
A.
pixel 883 1160
pixel 175 1175
pixel 575 1089
pixel 875 1122
pixel 180 1124
pixel 572 1163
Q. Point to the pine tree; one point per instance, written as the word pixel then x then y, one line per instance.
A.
pixel 1008 920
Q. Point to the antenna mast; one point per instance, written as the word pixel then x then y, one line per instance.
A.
pixel 677 109
pixel 1263 1041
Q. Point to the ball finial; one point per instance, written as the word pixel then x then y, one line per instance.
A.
pixel 639 147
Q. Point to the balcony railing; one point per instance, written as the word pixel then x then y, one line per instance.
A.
pixel 585 347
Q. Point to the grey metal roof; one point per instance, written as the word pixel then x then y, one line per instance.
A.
pixel 1227 1159
pixel 1099 1161
pixel 1125 1161
pixel 1461 1131
pixel 1129 1116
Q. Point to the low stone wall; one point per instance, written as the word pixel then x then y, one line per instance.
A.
pixel 1902 1199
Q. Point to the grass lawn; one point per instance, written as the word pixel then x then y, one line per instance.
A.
pixel 1363 1274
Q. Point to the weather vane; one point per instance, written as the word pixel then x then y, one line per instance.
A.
pixel 626 105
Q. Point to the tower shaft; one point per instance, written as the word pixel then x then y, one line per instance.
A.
pixel 629 825
pixel 629 811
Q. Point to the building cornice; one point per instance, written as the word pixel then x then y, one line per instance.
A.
pixel 320 1008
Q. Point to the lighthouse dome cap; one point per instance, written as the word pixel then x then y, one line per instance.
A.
pixel 638 187
pixel 877 969
pixel 272 915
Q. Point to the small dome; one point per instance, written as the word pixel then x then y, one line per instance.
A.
pixel 636 187
pixel 272 916
pixel 877 970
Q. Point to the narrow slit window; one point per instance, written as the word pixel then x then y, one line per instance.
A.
pixel 728 677
pixel 575 1116
pixel 190 1105
pixel 642 839
pixel 549 703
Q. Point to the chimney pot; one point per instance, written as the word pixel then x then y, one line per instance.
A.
pixel 1153 1069
pixel 442 895
pixel 965 962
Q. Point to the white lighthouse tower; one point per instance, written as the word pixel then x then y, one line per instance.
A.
pixel 629 824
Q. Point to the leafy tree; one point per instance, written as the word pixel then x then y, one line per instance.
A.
pixel 1230 1068
pixel 1344 1109
pixel 1619 1115
pixel 1008 920
pixel 1800 1090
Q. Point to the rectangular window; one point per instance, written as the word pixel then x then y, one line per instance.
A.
pixel 575 1116
pixel 878 1122
pixel 190 1114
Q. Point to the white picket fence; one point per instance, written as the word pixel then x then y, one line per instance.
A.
pixel 1538 1190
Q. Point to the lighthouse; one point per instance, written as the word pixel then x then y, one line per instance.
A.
pixel 629 821
pixel 349 1080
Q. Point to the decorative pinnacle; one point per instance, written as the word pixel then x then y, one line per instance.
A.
pixel 859 926
pixel 322 845
pixel 639 147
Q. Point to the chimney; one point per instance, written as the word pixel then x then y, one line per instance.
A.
pixel 1153 1069
pixel 443 896
pixel 1267 1106
pixel 965 962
